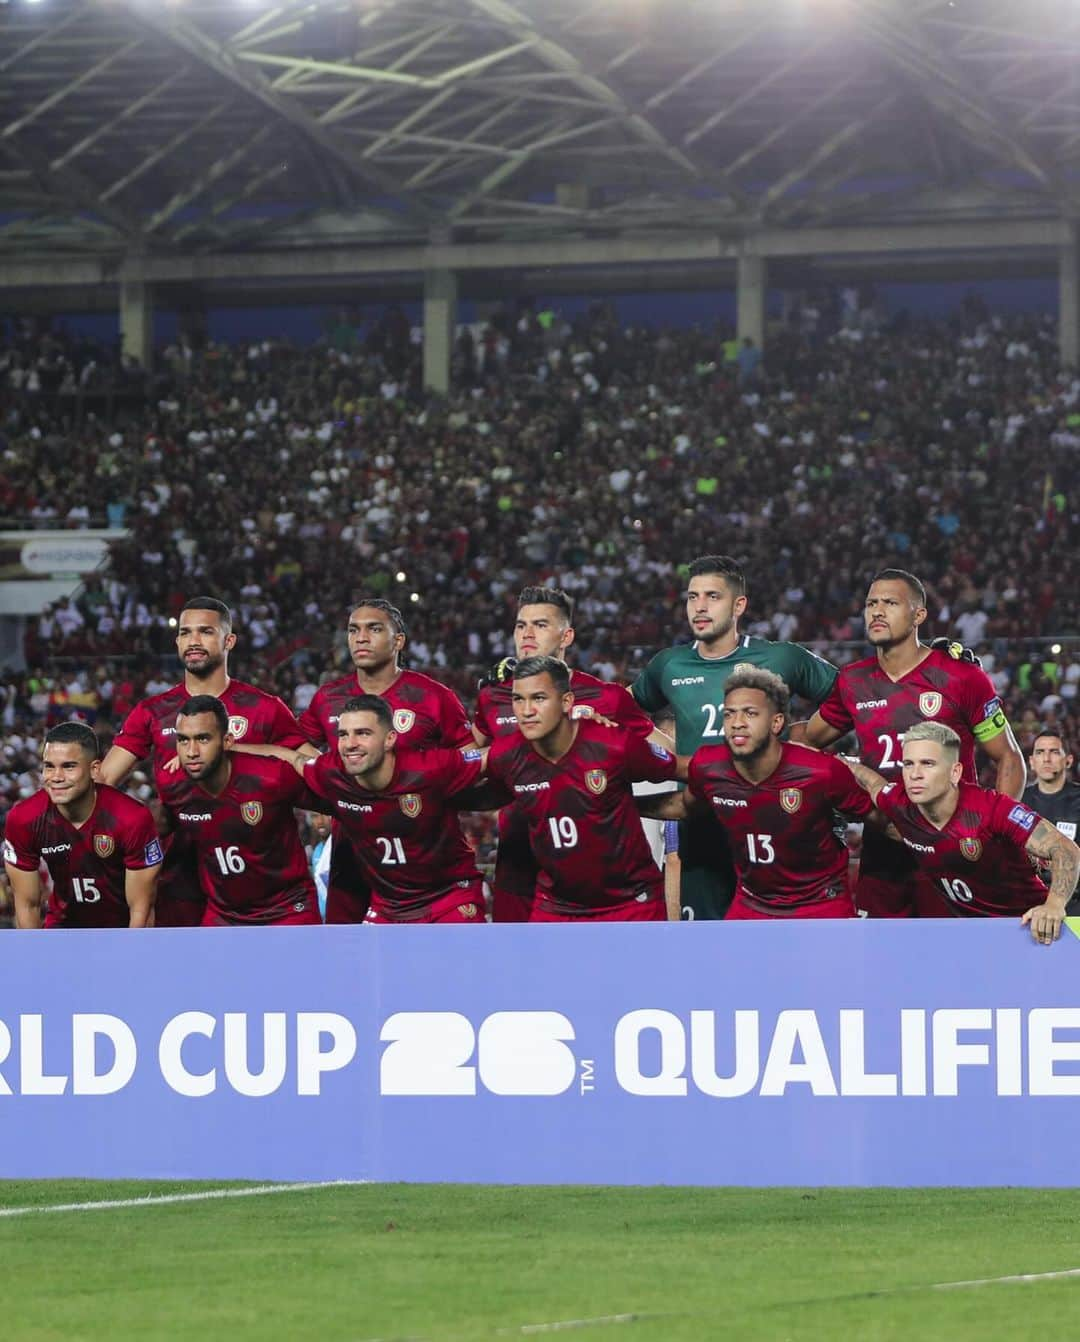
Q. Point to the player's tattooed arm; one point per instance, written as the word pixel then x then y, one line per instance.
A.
pixel 1048 844
pixel 816 733
pixel 866 778
pixel 26 889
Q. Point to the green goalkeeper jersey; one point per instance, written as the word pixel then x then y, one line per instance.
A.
pixel 693 686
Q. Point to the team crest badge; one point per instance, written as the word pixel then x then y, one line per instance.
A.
pixel 929 703
pixel 791 799
pixel 104 844
pixel 411 805
pixel 971 849
pixel 237 726
pixel 252 812
pixel 467 910
pixel 403 719
pixel 596 781
pixel 743 666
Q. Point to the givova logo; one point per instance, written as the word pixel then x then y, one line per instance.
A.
pixel 511 1053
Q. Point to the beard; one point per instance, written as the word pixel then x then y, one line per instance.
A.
pixel 210 773
pixel 717 632
pixel 753 753
pixel 204 670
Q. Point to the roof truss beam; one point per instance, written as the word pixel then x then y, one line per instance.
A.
pixel 902 39
pixel 191 40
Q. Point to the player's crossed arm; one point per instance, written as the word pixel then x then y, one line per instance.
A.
pixel 670 805
pixel 816 732
pixel 1048 844
pixel 868 779
pixel 299 759
pixel 872 783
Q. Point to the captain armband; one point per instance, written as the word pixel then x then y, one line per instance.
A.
pixel 994 722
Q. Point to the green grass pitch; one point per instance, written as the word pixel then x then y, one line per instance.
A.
pixel 451 1264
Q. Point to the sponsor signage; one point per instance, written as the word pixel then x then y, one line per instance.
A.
pixel 74 555
pixel 854 1053
pixel 37 556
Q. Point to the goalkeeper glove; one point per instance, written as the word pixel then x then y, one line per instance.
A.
pixel 956 651
pixel 500 672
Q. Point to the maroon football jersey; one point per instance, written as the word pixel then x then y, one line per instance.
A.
pixel 425 713
pixel 255 718
pixel 407 838
pixel 880 710
pixel 251 863
pixel 514 884
pixel 495 705
pixel 87 864
pixel 977 863
pixel 782 831
pixel 584 829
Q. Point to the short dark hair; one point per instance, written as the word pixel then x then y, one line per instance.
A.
pixel 74 734
pixel 915 587
pixel 1054 735
pixel 369 703
pixel 548 596
pixel 205 703
pixel 377 603
pixel 210 603
pixel 724 567
pixel 769 683
pixel 545 666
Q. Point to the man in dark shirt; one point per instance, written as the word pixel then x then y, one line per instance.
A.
pixel 1052 795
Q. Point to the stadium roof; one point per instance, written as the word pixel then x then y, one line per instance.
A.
pixel 178 126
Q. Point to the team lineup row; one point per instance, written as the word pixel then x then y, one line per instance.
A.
pixel 391 756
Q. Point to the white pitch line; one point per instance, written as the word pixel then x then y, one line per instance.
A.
pixel 563 1325
pixel 999 1281
pixel 161 1200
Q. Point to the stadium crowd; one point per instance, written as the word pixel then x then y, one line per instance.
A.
pixel 583 454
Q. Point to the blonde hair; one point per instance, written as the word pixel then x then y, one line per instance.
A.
pixel 945 737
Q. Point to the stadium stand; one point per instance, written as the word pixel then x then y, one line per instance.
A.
pixel 291 479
